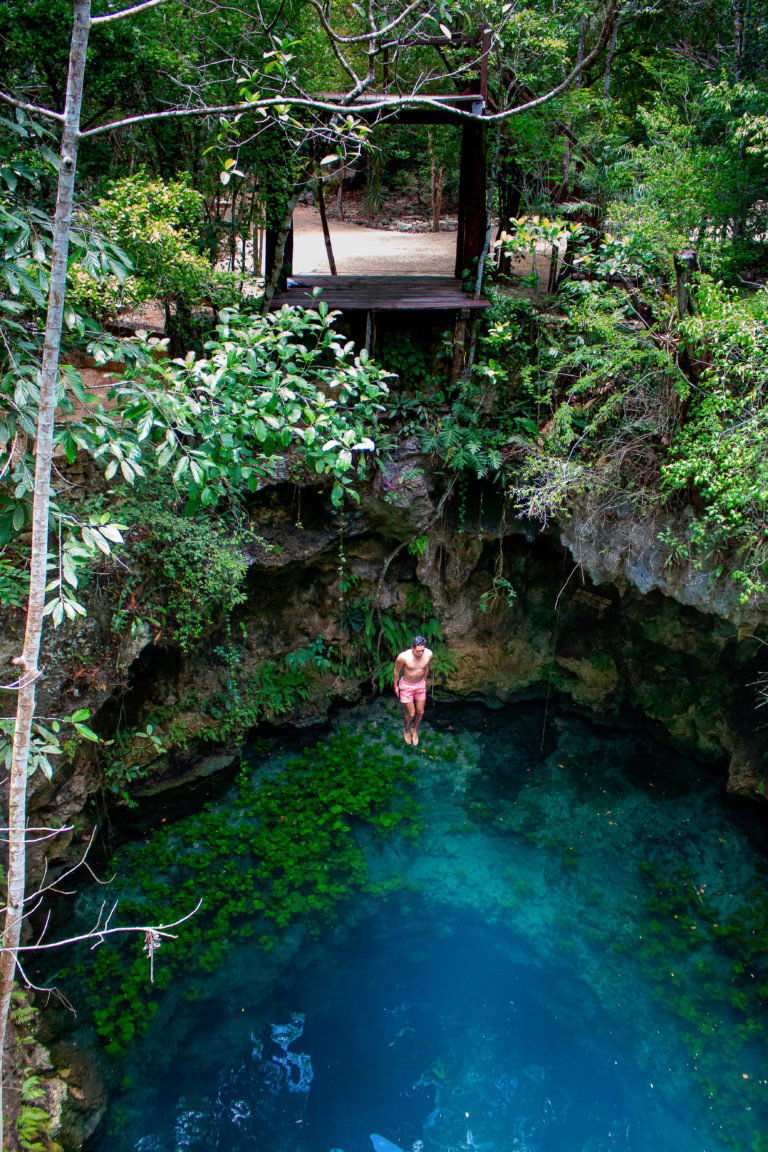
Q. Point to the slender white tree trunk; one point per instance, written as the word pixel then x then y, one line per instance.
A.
pixel 28 661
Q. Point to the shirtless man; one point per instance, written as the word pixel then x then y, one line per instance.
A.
pixel 411 670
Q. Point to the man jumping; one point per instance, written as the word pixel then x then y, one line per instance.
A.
pixel 411 671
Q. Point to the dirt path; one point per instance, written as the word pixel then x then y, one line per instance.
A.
pixel 358 249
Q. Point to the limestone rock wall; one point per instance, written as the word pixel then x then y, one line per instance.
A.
pixel 520 615
pixel 522 612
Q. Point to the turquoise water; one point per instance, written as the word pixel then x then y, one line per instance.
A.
pixel 574 963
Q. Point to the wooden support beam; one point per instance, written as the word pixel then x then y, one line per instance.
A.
pixel 472 222
pixel 459 344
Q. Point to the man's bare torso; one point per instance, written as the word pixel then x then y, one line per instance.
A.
pixel 414 668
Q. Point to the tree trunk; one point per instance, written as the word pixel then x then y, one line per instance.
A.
pixel 248 229
pixel 437 175
pixel 326 230
pixel 280 244
pixel 233 230
pixel 692 360
pixel 553 259
pixel 510 198
pixel 580 55
pixel 739 39
pixel 27 662
pixel 686 266
pixel 179 326
pixel 610 51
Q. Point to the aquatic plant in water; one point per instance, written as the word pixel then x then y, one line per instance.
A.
pixel 284 849
pixel 705 956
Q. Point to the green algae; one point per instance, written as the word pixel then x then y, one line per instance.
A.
pixel 284 848
pixel 706 963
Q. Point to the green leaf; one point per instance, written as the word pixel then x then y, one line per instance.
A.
pixel 144 427
pixel 87 733
pixel 44 764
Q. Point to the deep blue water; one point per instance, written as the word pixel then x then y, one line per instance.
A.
pixel 498 1002
pixel 415 1030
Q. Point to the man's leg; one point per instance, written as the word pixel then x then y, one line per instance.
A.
pixel 417 720
pixel 410 712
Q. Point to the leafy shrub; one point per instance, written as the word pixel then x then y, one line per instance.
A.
pixel 14 583
pixel 268 387
pixel 721 451
pixel 156 224
pixel 198 567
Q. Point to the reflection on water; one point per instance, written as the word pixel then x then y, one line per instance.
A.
pixel 505 1000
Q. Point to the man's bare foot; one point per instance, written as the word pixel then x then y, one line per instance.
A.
pixel 414 737
pixel 407 735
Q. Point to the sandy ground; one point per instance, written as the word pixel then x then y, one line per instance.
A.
pixel 359 250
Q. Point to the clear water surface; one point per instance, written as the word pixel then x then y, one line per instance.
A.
pixel 519 993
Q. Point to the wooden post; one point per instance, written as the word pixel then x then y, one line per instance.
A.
pixel 472 222
pixel 472 193
pixel 459 338
pixel 370 332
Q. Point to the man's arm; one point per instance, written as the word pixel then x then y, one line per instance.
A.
pixel 398 665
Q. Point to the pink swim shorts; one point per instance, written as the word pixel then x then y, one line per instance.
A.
pixel 410 692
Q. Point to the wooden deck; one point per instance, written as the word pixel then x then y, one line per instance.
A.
pixel 380 293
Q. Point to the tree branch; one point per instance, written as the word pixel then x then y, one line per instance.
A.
pixel 384 105
pixel 364 36
pixel 134 11
pixel 36 108
pixel 614 8
pixel 98 933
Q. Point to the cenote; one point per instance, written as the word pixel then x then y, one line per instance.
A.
pixel 542 935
